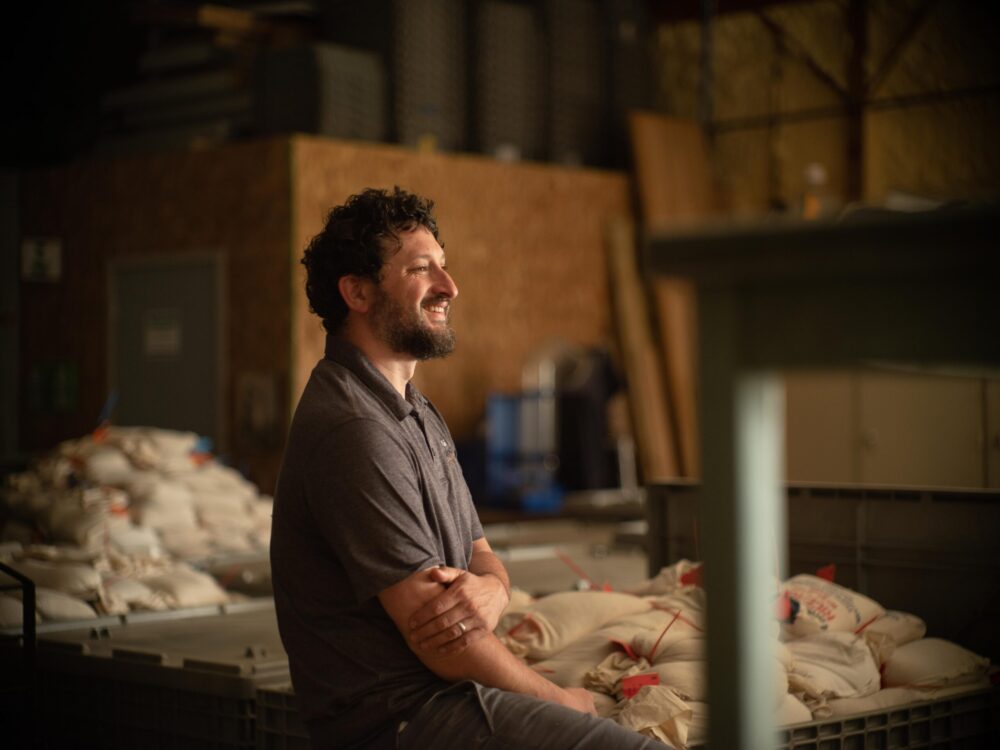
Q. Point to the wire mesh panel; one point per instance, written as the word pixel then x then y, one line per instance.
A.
pixel 429 62
pixel 576 76
pixel 509 65
pixel 325 89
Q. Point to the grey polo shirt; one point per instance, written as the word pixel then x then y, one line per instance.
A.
pixel 370 491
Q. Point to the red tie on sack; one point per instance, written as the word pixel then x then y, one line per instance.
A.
pixel 692 577
pixel 632 685
pixel 827 572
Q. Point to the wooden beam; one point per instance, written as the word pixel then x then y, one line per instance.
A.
pixel 674 181
pixel 679 11
pixel 798 52
pixel 646 393
pixel 915 21
pixel 857 25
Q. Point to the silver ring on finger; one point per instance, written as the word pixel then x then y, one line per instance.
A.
pixel 461 626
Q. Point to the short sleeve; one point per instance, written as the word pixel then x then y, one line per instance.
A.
pixel 363 490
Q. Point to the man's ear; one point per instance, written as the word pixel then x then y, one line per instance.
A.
pixel 356 291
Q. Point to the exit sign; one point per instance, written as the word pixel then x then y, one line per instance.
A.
pixel 41 259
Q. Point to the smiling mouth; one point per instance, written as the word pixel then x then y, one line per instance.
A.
pixel 437 309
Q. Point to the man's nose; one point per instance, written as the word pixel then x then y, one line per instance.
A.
pixel 444 284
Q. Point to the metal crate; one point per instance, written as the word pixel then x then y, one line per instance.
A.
pixel 278 724
pixel 961 722
pixel 159 680
pixel 923 550
pixel 970 721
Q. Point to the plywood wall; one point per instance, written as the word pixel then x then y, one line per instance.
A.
pixel 525 246
pixel 231 200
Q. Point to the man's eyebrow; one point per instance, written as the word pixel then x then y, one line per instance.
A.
pixel 429 256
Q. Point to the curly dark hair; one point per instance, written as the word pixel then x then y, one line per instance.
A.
pixel 355 240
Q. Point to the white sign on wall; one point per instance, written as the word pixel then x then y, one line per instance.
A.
pixel 41 259
pixel 162 333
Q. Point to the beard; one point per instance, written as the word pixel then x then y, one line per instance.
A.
pixel 406 332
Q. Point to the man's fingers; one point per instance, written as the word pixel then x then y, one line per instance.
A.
pixel 444 625
pixel 461 643
pixel 444 574
pixel 441 603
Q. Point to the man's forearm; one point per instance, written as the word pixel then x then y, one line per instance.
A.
pixel 485 562
pixel 489 663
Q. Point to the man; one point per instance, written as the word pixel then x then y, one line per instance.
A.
pixel 386 591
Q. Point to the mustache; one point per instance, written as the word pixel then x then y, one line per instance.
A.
pixel 444 298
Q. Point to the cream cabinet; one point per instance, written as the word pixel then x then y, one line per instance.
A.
pixel 820 427
pixel 893 428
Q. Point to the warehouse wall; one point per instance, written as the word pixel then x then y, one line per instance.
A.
pixel 231 200
pixel 929 127
pixel 525 244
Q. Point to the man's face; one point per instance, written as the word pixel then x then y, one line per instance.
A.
pixel 413 299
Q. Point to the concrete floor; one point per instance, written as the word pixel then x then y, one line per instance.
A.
pixel 543 557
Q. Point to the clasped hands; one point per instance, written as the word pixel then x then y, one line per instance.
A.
pixel 467 610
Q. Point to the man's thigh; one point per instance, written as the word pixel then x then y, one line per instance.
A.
pixel 468 715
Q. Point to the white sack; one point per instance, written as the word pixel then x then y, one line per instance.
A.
pixel 824 605
pixel 88 528
pixel 218 483
pixel 933 663
pixel 607 707
pixel 106 464
pixel 162 503
pixel 831 665
pixel 135 540
pixel 55 605
pixel 667 581
pixel 237 521
pixel 657 711
pixel 186 542
pixel 69 578
pixel 698 724
pixel 877 701
pixel 674 626
pixel 12 612
pixel 569 667
pixel 792 711
pixel 520 600
pixel 604 677
pixel 230 539
pixel 127 594
pixel 688 678
pixel 901 627
pixel 555 621
pixel 183 586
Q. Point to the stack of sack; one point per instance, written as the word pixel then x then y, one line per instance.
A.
pixel 642 654
pixel 76 584
pixel 132 499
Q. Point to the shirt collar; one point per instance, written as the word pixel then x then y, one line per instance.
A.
pixel 349 356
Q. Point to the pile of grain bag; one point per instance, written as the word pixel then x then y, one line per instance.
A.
pixel 72 583
pixel 131 504
pixel 642 654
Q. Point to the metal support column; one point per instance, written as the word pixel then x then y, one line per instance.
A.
pixel 742 520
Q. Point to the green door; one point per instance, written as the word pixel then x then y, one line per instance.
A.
pixel 165 343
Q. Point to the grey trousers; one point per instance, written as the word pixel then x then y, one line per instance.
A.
pixel 468 715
